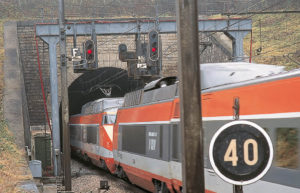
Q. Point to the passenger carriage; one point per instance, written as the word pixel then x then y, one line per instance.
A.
pixel 92 132
pixel 147 145
pixel 144 144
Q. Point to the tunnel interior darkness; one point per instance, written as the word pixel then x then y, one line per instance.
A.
pixel 91 86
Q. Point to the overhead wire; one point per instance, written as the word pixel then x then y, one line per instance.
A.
pixel 224 27
pixel 234 23
pixel 115 76
pixel 248 17
pixel 276 49
pixel 175 44
pixel 268 37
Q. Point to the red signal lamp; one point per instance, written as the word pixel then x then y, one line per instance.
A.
pixel 153 49
pixel 89 51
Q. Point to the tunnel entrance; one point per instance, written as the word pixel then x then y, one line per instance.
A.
pixel 100 83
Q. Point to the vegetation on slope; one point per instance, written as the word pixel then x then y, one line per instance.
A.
pixel 1 56
pixel 11 162
pixel 279 39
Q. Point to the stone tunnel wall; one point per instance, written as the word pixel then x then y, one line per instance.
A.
pixel 107 57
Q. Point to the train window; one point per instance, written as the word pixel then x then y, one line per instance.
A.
pixel 104 120
pixel 286 148
pixel 84 133
pixel 78 134
pixel 109 119
pixel 92 133
pixel 134 139
pixel 175 152
pixel 75 132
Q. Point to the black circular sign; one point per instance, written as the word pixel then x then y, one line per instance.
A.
pixel 241 152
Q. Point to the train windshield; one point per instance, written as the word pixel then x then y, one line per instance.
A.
pixel 109 119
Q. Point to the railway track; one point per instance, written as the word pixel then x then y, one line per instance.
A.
pixel 86 178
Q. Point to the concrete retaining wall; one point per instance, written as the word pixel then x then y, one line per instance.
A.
pixel 12 102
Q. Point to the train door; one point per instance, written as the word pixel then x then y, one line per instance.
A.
pixel 175 155
pixel 213 183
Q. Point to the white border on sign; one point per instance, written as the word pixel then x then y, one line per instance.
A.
pixel 213 162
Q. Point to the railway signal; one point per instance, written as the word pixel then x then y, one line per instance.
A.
pixel 89 51
pixel 123 52
pixel 241 152
pixel 153 45
pixel 87 59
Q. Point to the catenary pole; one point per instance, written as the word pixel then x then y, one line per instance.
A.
pixel 65 99
pixel 190 97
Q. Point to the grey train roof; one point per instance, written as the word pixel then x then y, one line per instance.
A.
pixel 101 105
pixel 217 74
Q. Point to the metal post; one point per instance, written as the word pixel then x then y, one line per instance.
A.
pixel 237 189
pixel 190 97
pixel 236 108
pixel 237 44
pixel 52 41
pixel 94 38
pixel 138 44
pixel 65 99
pixel 75 36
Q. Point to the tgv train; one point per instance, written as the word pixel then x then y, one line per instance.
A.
pixel 91 132
pixel 145 146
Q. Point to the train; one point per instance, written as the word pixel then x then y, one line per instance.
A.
pixel 142 141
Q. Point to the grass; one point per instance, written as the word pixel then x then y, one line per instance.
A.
pixel 280 36
pixel 12 162
pixel 1 56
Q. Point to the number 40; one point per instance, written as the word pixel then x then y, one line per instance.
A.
pixel 231 152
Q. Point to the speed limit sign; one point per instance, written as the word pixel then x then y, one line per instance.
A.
pixel 241 152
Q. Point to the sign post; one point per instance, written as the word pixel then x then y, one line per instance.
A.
pixel 65 99
pixel 190 97
pixel 241 153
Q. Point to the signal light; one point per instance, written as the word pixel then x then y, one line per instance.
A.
pixel 153 45
pixel 89 49
pixel 123 52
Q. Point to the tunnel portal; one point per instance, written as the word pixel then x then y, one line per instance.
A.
pixel 96 84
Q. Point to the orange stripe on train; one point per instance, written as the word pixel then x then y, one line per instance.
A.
pixel 254 99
